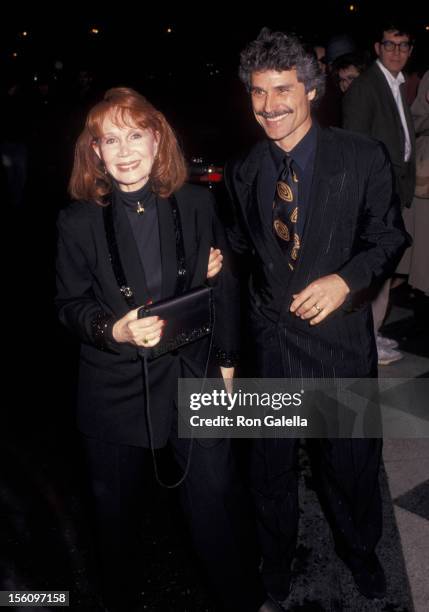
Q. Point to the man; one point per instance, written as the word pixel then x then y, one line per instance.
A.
pixel 347 68
pixel 314 213
pixel 375 105
pixel 328 112
pixel 320 52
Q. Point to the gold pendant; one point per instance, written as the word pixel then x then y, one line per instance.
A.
pixel 140 209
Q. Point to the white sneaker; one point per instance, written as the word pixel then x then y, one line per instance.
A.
pixel 386 342
pixel 387 355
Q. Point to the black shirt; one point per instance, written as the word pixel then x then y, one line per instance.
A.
pixel 145 228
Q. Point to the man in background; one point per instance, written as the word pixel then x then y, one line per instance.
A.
pixel 375 105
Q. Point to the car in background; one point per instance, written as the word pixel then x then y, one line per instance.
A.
pixel 202 172
pixel 210 175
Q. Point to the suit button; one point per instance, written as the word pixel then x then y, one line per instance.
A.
pixel 253 252
pixel 270 265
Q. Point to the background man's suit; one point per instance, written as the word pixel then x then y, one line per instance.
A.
pixel 370 108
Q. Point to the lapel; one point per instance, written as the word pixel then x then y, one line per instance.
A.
pixel 168 248
pixel 266 185
pixel 128 253
pixel 324 207
pixel 386 95
pixel 266 181
pixel 257 176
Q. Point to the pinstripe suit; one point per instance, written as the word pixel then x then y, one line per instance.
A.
pixel 353 228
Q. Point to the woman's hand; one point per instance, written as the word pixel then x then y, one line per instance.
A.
pixel 227 375
pixel 215 262
pixel 145 332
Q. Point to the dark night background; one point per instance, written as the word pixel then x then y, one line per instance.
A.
pixel 190 73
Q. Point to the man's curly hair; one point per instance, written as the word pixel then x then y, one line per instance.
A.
pixel 280 51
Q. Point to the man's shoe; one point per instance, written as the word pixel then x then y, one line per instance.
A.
pixel 386 342
pixel 370 580
pixel 386 355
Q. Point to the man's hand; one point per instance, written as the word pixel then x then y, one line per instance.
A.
pixel 215 262
pixel 320 298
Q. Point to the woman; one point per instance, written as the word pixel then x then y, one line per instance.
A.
pixel 127 167
pixel 417 216
pixel 415 261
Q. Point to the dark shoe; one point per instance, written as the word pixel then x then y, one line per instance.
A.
pixel 370 579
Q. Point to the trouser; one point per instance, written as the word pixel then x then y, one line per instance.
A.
pixel 380 304
pixel 345 473
pixel 212 497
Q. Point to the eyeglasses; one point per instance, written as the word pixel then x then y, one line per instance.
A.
pixel 390 46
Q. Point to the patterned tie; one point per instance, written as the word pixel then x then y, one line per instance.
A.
pixel 285 212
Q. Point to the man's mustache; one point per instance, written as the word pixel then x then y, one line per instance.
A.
pixel 274 114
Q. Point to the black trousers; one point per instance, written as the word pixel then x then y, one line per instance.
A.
pixel 345 474
pixel 212 497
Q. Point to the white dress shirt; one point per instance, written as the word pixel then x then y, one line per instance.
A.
pixel 394 84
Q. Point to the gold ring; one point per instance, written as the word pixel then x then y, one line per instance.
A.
pixel 145 340
pixel 317 307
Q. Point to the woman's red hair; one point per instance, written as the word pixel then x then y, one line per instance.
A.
pixel 124 106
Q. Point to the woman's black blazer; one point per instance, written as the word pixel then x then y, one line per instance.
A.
pixel 110 402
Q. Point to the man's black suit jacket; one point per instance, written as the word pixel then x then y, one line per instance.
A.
pixel 353 228
pixel 111 402
pixel 370 108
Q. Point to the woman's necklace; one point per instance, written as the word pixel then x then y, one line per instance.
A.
pixel 140 208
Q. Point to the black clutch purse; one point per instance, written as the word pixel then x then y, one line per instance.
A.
pixel 189 317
